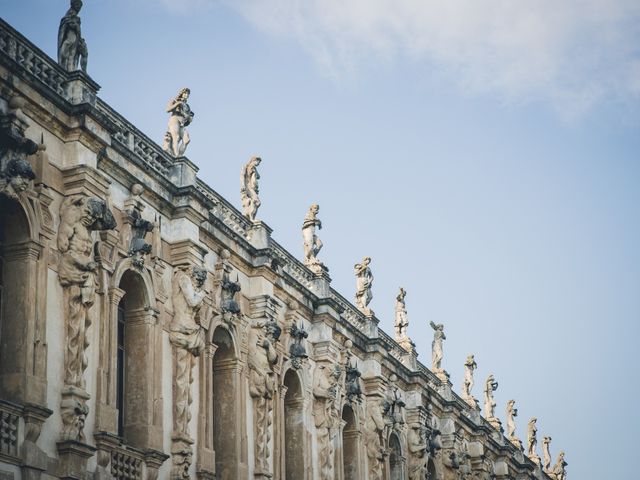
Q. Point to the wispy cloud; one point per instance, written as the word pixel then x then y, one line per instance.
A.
pixel 572 53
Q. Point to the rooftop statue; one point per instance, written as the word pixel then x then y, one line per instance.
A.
pixel 532 440
pixel 311 243
pixel 489 403
pixel 401 320
pixel 364 281
pixel 249 189
pixel 436 345
pixel 72 49
pixel 469 366
pixel 177 137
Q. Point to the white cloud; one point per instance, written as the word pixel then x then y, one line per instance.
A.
pixel 572 53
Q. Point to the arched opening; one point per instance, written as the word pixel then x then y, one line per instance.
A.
pixel 293 427
pixel 350 444
pixel 133 398
pixel 395 458
pixel 431 470
pixel 17 299
pixel 226 431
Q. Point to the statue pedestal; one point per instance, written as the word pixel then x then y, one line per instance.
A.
pixel 72 459
pixel 442 375
pixel 495 423
pixel 534 458
pixel 516 442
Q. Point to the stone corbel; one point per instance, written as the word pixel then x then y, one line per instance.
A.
pixel 35 460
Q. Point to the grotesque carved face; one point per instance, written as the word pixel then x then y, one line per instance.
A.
pixel 98 216
pixel 199 275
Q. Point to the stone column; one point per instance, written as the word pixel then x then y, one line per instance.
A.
pixel 206 456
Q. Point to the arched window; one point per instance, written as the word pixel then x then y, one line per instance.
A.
pixel 293 427
pixel 395 458
pixel 133 397
pixel 226 407
pixel 350 439
pixel 18 258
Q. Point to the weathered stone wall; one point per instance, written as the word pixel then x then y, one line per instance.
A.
pixel 107 220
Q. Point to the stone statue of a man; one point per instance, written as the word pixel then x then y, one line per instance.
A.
pixel 177 137
pixel 401 320
pixel 512 412
pixel 546 454
pixel 249 189
pixel 310 241
pixel 72 49
pixel 532 440
pixel 489 403
pixel 364 281
pixel 469 366
pixel 559 471
pixel 436 345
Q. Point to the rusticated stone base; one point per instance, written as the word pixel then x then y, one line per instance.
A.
pixel 72 462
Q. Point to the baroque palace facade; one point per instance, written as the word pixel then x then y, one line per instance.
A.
pixel 149 330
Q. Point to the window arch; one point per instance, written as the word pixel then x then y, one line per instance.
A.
pixel 293 427
pixel 350 441
pixel 395 458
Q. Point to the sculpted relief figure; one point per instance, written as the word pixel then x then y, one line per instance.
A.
pixel 16 174
pixel 418 452
pixel 297 350
pixel 262 384
pixel 177 137
pixel 79 216
pixel 228 290
pixel 436 346
pixel 374 430
pixel 364 281
pixel 512 412
pixel 187 338
pixel 311 243
pixel 249 189
pixel 72 49
pixel 546 454
pixel 325 418
pixel 393 406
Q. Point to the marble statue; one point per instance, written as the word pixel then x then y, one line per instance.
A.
pixel 490 386
pixel 401 319
pixel 364 281
pixel 187 337
pixel 512 412
pixel 16 174
pixel 532 440
pixel 469 366
pixel 311 243
pixel 559 471
pixel 77 270
pixel 249 190
pixel 418 452
pixel 72 49
pixel 325 418
pixel 546 454
pixel 374 429
pixel 177 137
pixel 262 384
pixel 436 346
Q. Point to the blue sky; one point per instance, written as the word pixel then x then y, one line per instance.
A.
pixel 484 154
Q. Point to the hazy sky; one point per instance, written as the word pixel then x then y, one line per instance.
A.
pixel 485 154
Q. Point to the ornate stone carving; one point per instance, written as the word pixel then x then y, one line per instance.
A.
pixel 353 387
pixel 311 243
pixel 228 289
pixel 418 451
pixel 137 227
pixel 72 49
pixel 559 471
pixel 297 350
pixel 532 440
pixel 364 281
pixel 79 216
pixel 469 366
pixel 491 386
pixel 325 418
pixel 393 405
pixel 177 138
pixel 436 346
pixel 16 173
pixel 546 454
pixel 187 338
pixel 374 429
pixel 249 189
pixel 512 412
pixel 433 430
pixel 262 384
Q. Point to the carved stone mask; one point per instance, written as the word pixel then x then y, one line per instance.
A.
pixel 99 215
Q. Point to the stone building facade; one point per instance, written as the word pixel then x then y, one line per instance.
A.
pixel 149 330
